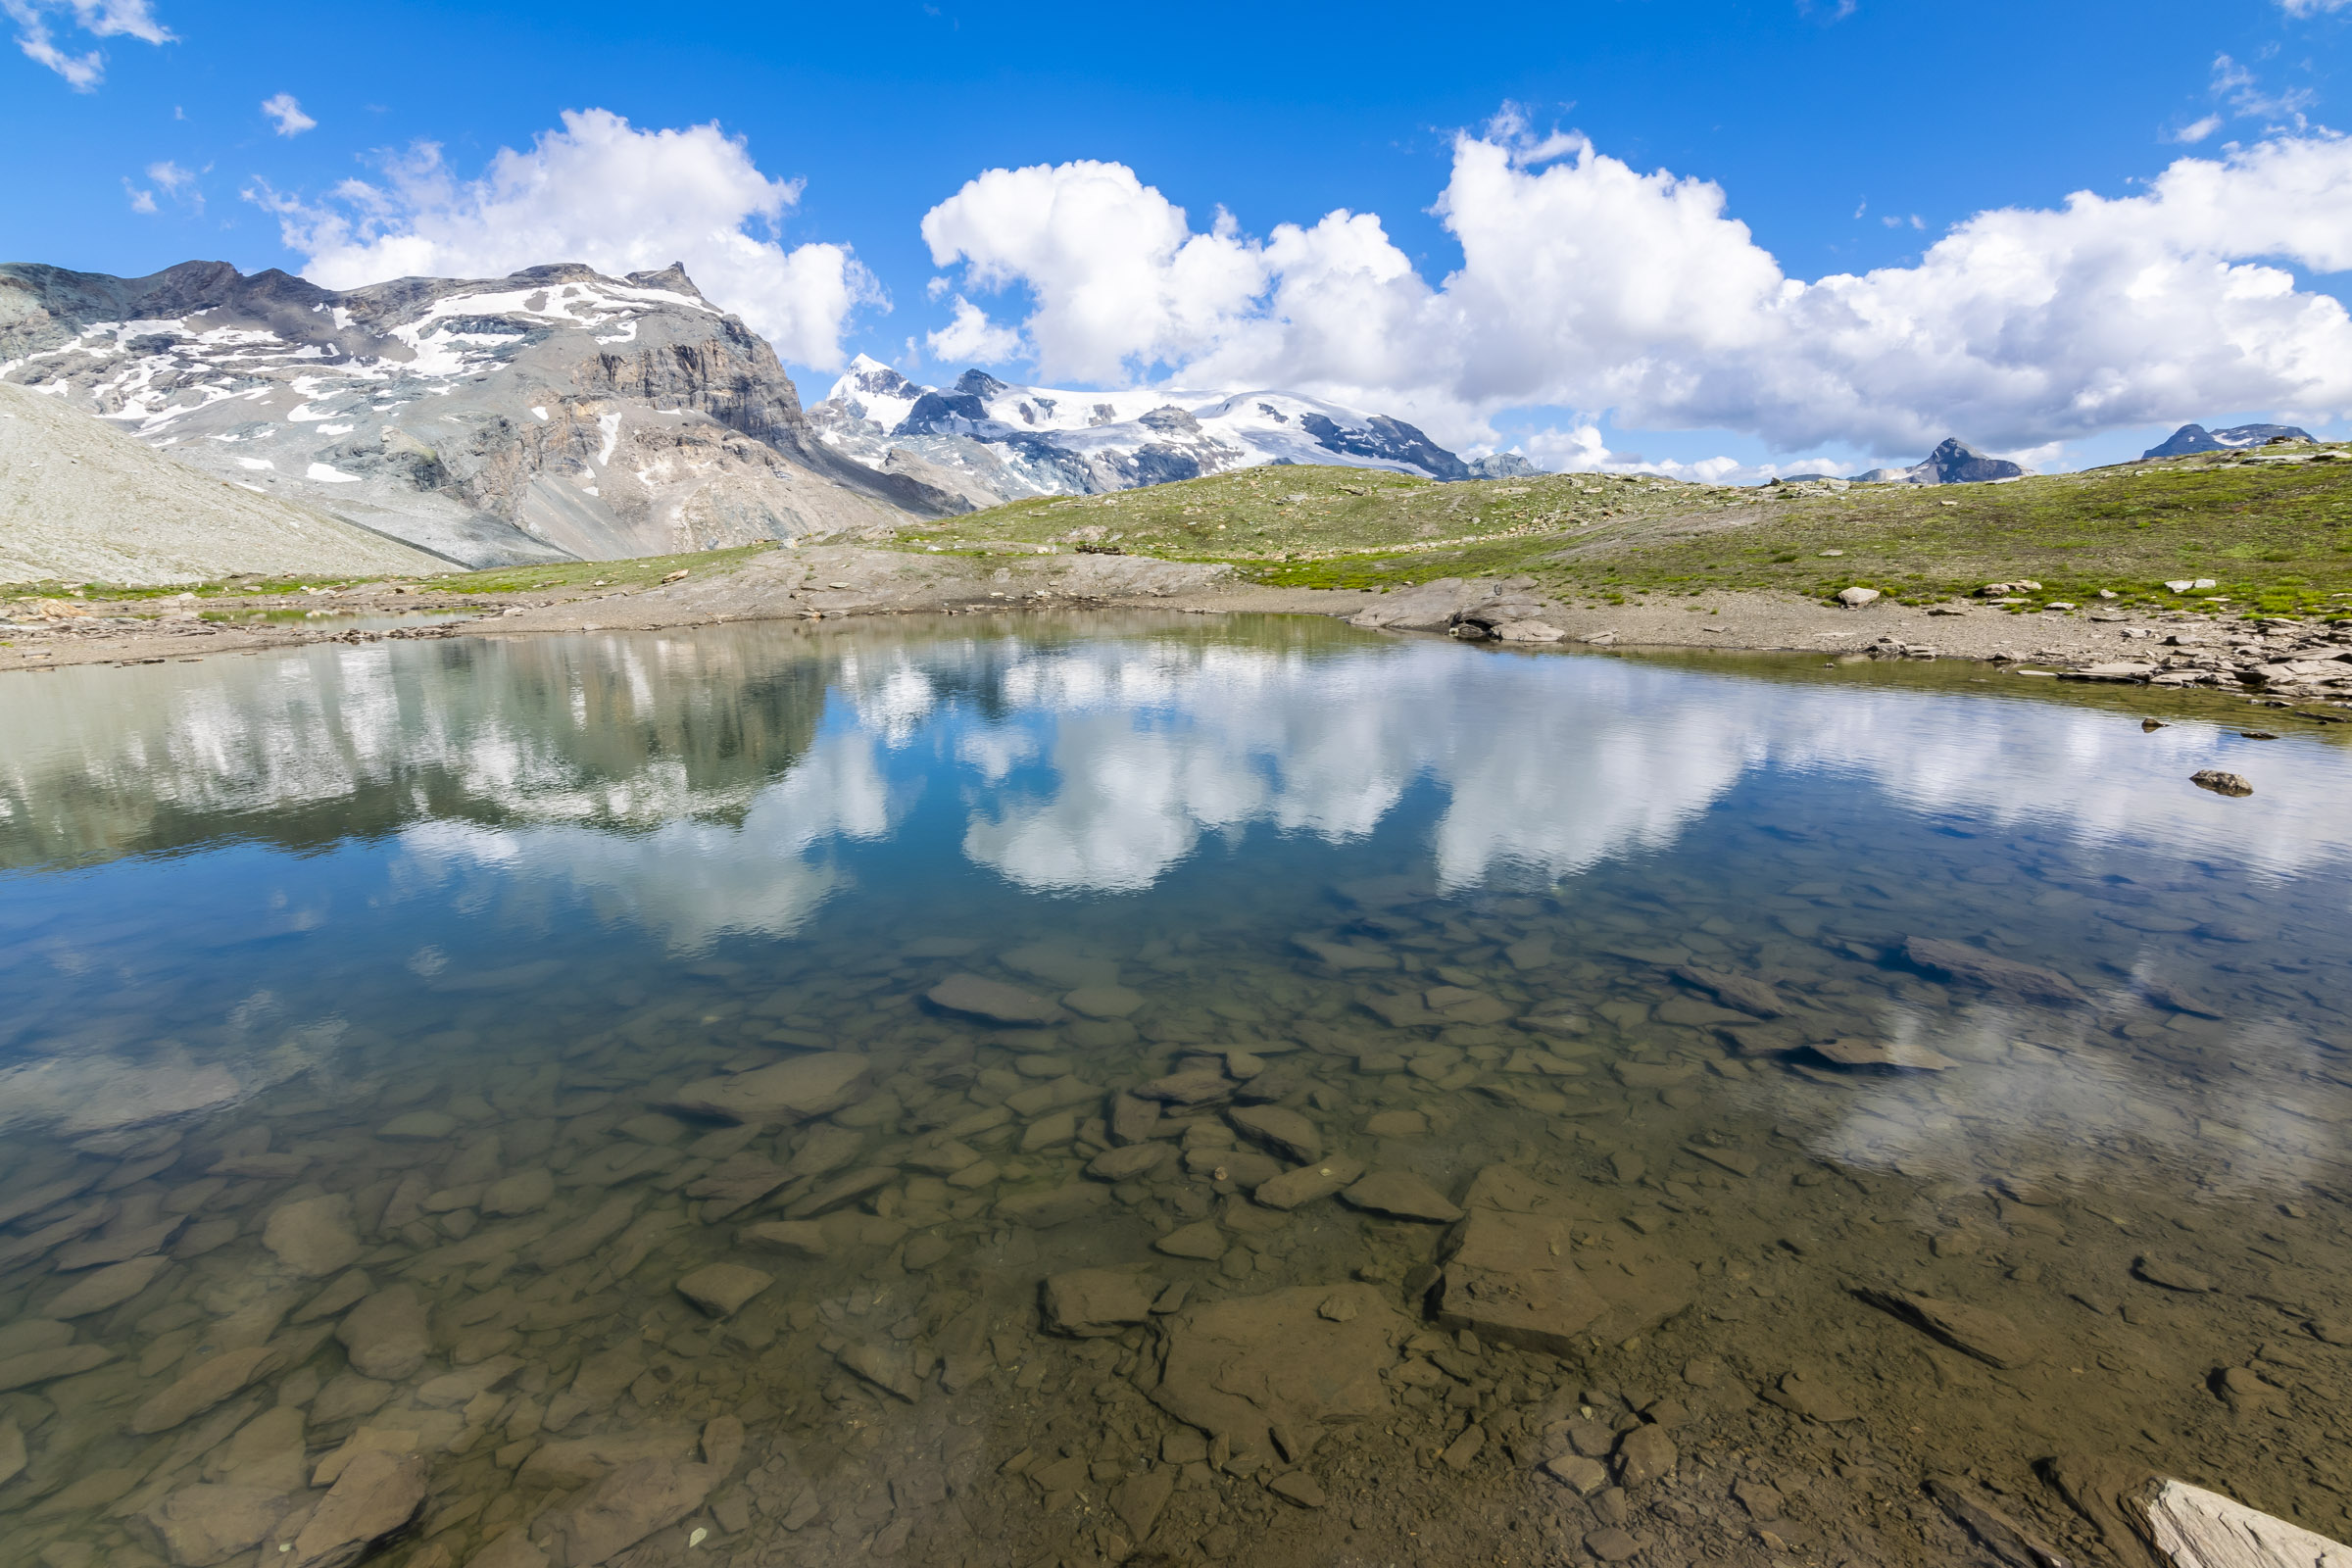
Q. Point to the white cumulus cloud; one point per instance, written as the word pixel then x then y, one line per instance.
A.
pixel 285 113
pixel 602 193
pixel 1590 285
pixel 100 19
pixel 973 337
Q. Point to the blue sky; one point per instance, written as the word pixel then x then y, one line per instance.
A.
pixel 1845 134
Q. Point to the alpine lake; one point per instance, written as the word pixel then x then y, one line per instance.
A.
pixel 1154 1090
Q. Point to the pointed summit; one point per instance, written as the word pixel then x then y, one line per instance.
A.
pixel 672 279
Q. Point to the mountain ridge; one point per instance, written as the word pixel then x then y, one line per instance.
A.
pixel 552 413
pixel 2194 438
pixel 994 441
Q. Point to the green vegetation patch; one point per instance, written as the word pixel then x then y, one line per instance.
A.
pixel 2275 537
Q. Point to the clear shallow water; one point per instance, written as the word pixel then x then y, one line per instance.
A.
pixel 1454 909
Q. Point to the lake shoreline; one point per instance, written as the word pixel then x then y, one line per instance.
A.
pixel 842 582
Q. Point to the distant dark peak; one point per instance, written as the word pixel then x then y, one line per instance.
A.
pixel 1955 461
pixel 980 384
pixel 673 278
pixel 2194 438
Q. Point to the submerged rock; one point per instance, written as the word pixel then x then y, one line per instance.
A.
pixel 799 1089
pixel 723 1289
pixel 1240 1369
pixel 315 1235
pixel 624 1507
pixel 1096 1302
pixel 1286 1132
pixel 1509 1278
pixel 108 1288
pixel 377 1494
pixel 387 1336
pixel 1400 1195
pixel 991 999
pixel 204 1386
pixel 1974 1330
pixel 2004 977
pixel 204 1524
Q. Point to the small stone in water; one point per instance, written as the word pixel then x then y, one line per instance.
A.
pixel 108 1288
pixel 1202 1239
pixel 1284 1131
pixel 418 1126
pixel 989 1000
pixel 315 1235
pixel 2170 1275
pixel 1400 1195
pixel 723 1289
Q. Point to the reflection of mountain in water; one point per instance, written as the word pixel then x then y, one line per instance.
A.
pixel 307 747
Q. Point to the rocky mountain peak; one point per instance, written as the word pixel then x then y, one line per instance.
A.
pixel 1953 462
pixel 553 411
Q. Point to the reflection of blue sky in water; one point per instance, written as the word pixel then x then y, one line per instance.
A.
pixel 1091 766
pixel 1108 763
pixel 1552 765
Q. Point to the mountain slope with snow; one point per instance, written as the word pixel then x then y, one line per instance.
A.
pixel 992 442
pixel 554 413
pixel 80 498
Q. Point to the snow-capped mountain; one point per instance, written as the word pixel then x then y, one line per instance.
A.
pixel 991 441
pixel 555 413
pixel 2196 438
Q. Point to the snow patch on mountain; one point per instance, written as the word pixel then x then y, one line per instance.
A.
pixel 992 441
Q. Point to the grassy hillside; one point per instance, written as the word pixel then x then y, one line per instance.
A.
pixel 566 575
pixel 2272 534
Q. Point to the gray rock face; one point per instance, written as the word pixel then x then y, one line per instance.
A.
pixel 555 413
pixel 991 442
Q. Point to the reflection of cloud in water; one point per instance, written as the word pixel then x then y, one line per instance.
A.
pixel 694 880
pixel 892 698
pixel 2047 1100
pixel 1552 765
